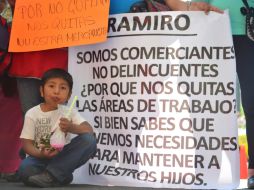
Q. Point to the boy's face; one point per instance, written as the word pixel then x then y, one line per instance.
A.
pixel 55 91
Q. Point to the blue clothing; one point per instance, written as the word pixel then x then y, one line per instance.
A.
pixel 121 6
pixel 61 167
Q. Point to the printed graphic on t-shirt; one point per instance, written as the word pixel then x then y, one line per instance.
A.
pixel 42 131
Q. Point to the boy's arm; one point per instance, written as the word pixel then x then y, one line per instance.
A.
pixel 68 126
pixel 29 148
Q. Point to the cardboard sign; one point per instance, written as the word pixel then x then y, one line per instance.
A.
pixel 40 25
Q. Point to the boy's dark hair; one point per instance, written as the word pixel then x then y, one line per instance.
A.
pixel 57 73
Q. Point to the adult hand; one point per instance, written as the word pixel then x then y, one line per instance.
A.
pixel 203 6
pixel 179 5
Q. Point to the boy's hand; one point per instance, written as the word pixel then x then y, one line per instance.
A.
pixel 47 152
pixel 65 125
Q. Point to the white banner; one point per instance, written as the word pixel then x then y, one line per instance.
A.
pixel 160 94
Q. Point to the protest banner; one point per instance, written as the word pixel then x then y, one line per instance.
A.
pixel 40 25
pixel 160 94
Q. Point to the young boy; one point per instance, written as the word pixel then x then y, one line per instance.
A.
pixel 46 166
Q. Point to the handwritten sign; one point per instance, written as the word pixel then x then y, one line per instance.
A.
pixel 40 25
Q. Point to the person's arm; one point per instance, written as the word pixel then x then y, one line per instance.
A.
pixel 179 5
pixel 67 126
pixel 43 152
